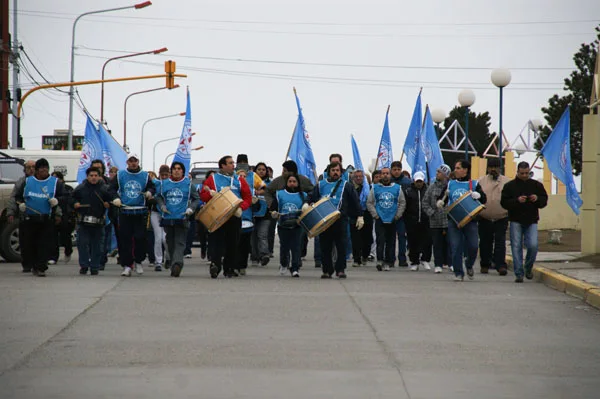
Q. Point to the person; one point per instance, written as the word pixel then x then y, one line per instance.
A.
pixel 399 178
pixel 463 239
pixel 262 222
pixel 91 199
pixel 523 197
pixel 344 198
pixel 36 202
pixel 203 234
pixel 113 226
pixel 363 238
pixel 438 220
pixel 417 224
pixel 134 187
pixel 160 238
pixel 493 220
pixel 227 237
pixel 335 158
pixel 286 208
pixel 177 199
pixel 64 231
pixel 376 177
pixel 386 204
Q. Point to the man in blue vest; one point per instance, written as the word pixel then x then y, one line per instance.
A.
pixel 36 203
pixel 386 204
pixel 344 197
pixel 134 186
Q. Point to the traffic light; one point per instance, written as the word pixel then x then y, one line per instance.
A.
pixel 170 71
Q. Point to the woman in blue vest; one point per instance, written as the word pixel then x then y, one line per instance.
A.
pixel 287 207
pixel 467 238
pixel 176 200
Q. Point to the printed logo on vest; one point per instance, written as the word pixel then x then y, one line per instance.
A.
pixel 174 197
pixel 386 200
pixel 132 189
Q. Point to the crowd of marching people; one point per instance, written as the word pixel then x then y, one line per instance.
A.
pixel 350 215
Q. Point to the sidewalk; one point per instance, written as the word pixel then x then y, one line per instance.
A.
pixel 565 273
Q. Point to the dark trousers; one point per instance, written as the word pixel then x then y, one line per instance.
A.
pixel 89 245
pixel 62 238
pixel 362 239
pixel 386 241
pixel 441 249
pixel 34 242
pixel 150 246
pixel 224 243
pixel 419 242
pixel 492 242
pixel 176 236
pixel 272 228
pixel 289 246
pixel 202 236
pixel 260 238
pixel 245 248
pixel 336 236
pixel 132 232
pixel 191 235
pixel 401 231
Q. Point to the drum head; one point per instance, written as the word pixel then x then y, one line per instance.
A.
pixel 324 224
pixel 218 210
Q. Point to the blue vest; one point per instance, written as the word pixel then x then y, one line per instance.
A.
pixel 131 187
pixel 228 181
pixel 176 195
pixel 326 187
pixel 36 195
pixel 288 202
pixel 458 188
pixel 386 201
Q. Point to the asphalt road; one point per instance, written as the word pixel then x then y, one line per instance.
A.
pixel 394 335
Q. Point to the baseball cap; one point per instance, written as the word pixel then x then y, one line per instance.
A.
pixel 133 155
pixel 419 176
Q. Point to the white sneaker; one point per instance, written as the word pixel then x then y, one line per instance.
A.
pixel 52 262
pixel 283 270
pixel 126 272
pixel 188 256
pixel 437 270
pixel 414 268
pixel 426 265
pixel 139 269
pixel 386 268
pixel 295 274
pixel 452 269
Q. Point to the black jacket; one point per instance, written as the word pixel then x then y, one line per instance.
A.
pixel 93 195
pixel 527 212
pixel 414 212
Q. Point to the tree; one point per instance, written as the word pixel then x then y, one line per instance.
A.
pixel 479 133
pixel 578 86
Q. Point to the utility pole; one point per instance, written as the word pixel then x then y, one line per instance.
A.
pixel 4 62
pixel 16 140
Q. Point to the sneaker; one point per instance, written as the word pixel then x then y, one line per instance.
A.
pixel 188 256
pixel 379 266
pixel 94 272
pixel 41 273
pixel 203 255
pixel 264 260
pixel 437 270
pixel 414 268
pixel 364 260
pixel 176 270
pixel 529 275
pixel 355 264
pixel 471 273
pixel 502 271
pixel 295 274
pixel 126 272
pixel 67 258
pixel 370 258
pixel 231 274
pixel 167 264
pixel 51 262
pixel 519 279
pixel 139 269
pixel 214 270
pixel 283 270
pixel 158 267
pixel 325 276
pixel 452 269
pixel 242 272
pixel 83 270
pixel 426 265
pixel 458 278
pixel 340 275
pixel 386 268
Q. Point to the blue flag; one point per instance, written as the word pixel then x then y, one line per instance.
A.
pixel 359 166
pixel 300 149
pixel 184 148
pixel 384 154
pixel 112 153
pixel 431 146
pixel 557 153
pixel 413 144
pixel 92 149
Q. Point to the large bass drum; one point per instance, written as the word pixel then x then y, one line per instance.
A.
pixel 319 217
pixel 219 209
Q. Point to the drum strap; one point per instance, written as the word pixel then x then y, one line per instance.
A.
pixel 335 188
pixel 470 185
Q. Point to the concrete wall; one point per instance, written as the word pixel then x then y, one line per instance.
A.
pixel 558 215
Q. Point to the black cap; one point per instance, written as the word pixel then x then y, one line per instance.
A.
pixel 493 163
pixel 290 166
pixel 42 163
pixel 242 158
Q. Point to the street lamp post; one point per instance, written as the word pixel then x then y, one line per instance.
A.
pixel 438 115
pixel 125 108
pixel 71 90
pixel 466 98
pixel 500 78
pixel 173 153
pixel 158 51
pixel 144 125
pixel 163 141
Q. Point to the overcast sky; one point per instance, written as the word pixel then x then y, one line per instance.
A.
pixel 240 106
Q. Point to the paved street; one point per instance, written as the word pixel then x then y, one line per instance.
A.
pixel 375 335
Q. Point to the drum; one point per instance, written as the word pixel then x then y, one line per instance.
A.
pixel 133 210
pixel 319 217
pixel 91 220
pixel 464 210
pixel 289 220
pixel 219 209
pixel 247 226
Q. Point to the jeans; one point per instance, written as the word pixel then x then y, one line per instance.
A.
pixel 386 241
pixel 441 249
pixel 260 238
pixel 492 242
pixel 462 240
pixel 401 231
pixel 289 244
pixel 89 245
pixel 520 233
pixel 62 238
pixel 176 236
pixel 191 234
pixel 160 238
pixel 272 228
pixel 334 236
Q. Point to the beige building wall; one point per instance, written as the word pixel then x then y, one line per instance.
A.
pixel 558 215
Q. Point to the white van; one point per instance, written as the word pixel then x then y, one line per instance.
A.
pixel 66 162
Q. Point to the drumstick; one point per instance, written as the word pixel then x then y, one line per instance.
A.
pixel 30 208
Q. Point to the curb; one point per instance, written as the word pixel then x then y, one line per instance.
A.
pixel 588 293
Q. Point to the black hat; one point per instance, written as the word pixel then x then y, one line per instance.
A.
pixel 493 163
pixel 241 162
pixel 290 166
pixel 242 158
pixel 42 163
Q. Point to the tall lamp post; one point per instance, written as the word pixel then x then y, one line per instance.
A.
pixel 158 51
pixel 500 78
pixel 438 115
pixel 72 89
pixel 125 109
pixel 144 125
pixel 466 98
pixel 160 142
